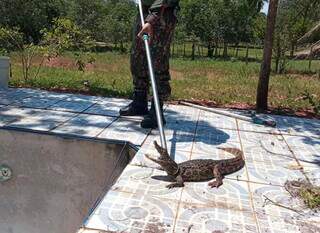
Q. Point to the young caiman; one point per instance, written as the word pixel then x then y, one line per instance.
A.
pixel 199 169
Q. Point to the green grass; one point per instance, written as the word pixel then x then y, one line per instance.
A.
pixel 311 196
pixel 224 82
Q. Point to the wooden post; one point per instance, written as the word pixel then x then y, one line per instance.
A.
pixel 247 54
pixel 263 85
pixel 193 51
pixel 310 57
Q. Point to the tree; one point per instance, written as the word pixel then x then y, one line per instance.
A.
pixel 30 16
pixel 119 22
pixel 263 85
pixel 89 15
pixel 62 36
pixel 295 18
pixel 259 28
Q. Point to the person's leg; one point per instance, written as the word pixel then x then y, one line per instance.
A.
pixel 160 48
pixel 139 71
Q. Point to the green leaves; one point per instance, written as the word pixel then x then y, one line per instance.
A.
pixel 230 21
pixel 65 35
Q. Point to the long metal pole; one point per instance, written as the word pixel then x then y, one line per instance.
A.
pixel 153 82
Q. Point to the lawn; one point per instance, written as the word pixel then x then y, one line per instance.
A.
pixel 225 83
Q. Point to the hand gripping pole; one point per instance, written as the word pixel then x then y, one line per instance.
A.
pixel 153 82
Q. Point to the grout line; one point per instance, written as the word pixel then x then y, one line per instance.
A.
pixel 296 158
pixel 254 182
pixel 50 105
pixel 107 126
pixel 63 122
pixel 180 202
pixel 195 135
pixel 75 116
pixel 248 183
pixel 202 205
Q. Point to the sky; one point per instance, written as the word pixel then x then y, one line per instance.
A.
pixel 265 8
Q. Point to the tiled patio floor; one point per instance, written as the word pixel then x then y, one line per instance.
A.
pixel 140 202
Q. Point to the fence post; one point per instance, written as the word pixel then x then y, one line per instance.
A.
pixel 310 57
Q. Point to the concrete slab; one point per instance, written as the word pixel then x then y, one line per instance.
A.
pixel 35 102
pixel 108 107
pixel 43 120
pixel 85 125
pixel 56 180
pixel 72 106
pixel 125 129
pixel 139 201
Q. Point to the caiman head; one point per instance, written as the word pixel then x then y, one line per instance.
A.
pixel 168 164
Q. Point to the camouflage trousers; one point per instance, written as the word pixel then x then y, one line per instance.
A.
pixel 160 51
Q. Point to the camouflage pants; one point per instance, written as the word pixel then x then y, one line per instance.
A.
pixel 160 52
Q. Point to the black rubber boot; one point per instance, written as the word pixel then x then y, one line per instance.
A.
pixel 138 107
pixel 150 120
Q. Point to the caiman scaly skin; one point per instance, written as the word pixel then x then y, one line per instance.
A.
pixel 199 169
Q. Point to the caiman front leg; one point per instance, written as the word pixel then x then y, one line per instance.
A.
pixel 179 183
pixel 219 177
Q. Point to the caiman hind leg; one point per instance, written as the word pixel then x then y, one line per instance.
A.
pixel 179 183
pixel 218 177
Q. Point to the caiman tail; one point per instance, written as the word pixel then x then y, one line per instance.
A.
pixel 229 166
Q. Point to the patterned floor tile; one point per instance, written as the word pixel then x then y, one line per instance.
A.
pixel 275 174
pixel 200 147
pixel 306 149
pixel 85 125
pixel 108 106
pixel 274 218
pixel 140 159
pixel 298 126
pixel 177 140
pixel 125 130
pixel 126 212
pixel 209 119
pixel 249 126
pixel 268 154
pixel 208 139
pixel 72 106
pixel 185 125
pixel 312 172
pixel 262 139
pixel 178 111
pixel 140 202
pixel 233 195
pixel 211 135
pixel 203 219
pixel 146 182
